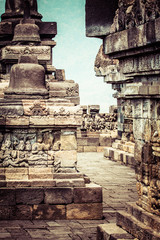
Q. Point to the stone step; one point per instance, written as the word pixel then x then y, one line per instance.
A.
pixel 151 220
pixel 135 227
pixel 120 156
pixel 111 231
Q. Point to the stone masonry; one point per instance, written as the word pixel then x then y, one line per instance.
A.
pixel 39 120
pixel 132 39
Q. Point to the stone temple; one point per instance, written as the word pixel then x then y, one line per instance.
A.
pixel 39 117
pixel 43 126
pixel 129 60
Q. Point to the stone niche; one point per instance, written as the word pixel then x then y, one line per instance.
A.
pixel 134 42
pixel 39 117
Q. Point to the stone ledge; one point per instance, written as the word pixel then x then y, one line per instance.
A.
pixel 132 38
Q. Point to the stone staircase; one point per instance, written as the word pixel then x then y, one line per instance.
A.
pixel 121 151
pixel 134 223
pixel 138 222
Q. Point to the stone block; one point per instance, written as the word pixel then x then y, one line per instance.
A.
pixel 70 182
pixel 84 211
pixel 80 149
pixel 67 158
pixel 49 212
pixel 75 100
pixel 64 183
pixel 3 183
pixel 115 145
pixel 116 42
pixel 67 175
pixel 42 120
pixel 18 176
pixel 93 142
pixel 6 212
pixel 57 94
pixel 143 90
pixel 153 90
pixel 12 52
pixel 91 193
pixel 82 141
pixel 90 149
pixel 21 212
pixel 60 74
pixel 106 152
pixel 105 140
pixel 79 182
pixel 58 195
pixel 17 121
pixel 7 196
pixel 111 231
pixel 16 170
pixel 41 170
pixel 40 176
pixel 29 195
pixel 43 183
pixel 100 149
pixel 2 174
pixel 18 183
pixel 68 141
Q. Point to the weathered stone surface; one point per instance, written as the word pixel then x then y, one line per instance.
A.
pixel 66 158
pixel 82 141
pixel 68 141
pixel 84 211
pixel 7 196
pixel 105 140
pixel 90 149
pixel 43 183
pixel 29 196
pixel 21 212
pixel 13 52
pixel 17 121
pixel 60 75
pixel 67 175
pixel 111 230
pixel 91 193
pixel 18 183
pixel 58 195
pixel 49 212
pixel 6 212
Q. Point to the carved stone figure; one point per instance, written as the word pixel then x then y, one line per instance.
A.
pixel 18 5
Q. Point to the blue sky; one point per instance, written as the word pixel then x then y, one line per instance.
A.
pixel 75 52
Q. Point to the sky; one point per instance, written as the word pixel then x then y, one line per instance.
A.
pixel 75 52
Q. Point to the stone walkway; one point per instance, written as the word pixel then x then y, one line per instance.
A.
pixel 119 187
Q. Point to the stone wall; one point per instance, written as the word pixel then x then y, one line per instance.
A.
pixel 130 62
pixel 97 130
